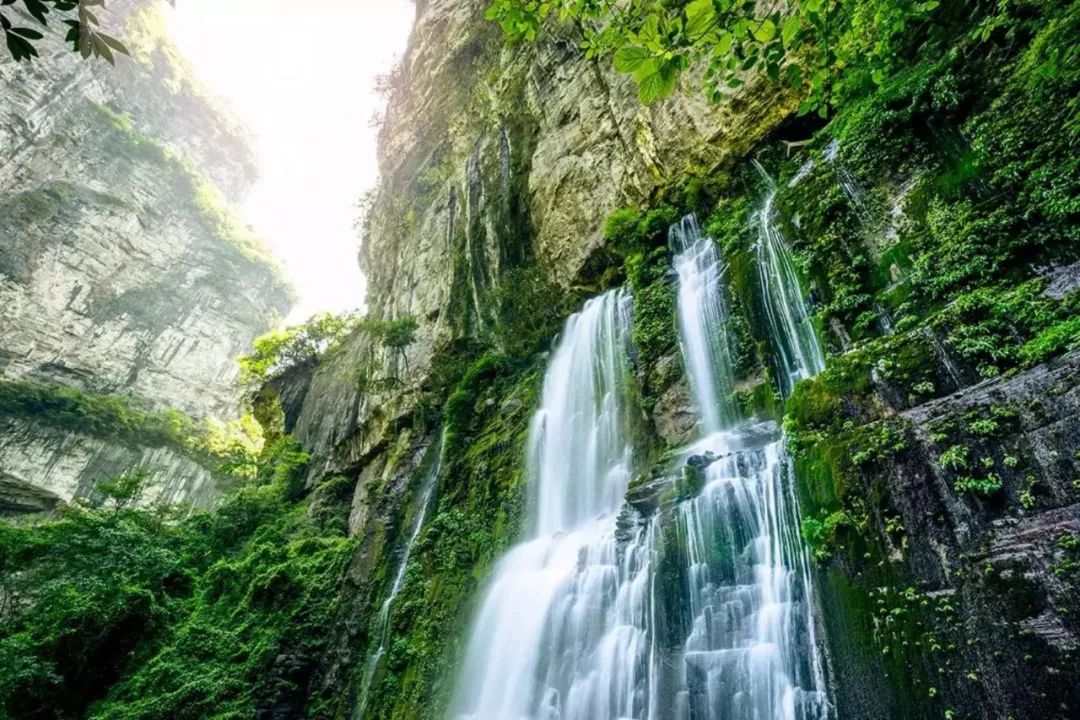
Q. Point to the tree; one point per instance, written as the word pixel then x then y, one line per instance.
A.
pixel 277 351
pixel 125 490
pixel 816 46
pixel 75 15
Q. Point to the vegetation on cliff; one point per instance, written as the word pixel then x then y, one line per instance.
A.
pixel 116 612
pixel 933 219
pixel 228 448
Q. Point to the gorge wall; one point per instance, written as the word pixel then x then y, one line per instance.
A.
pixel 892 293
pixel 931 225
pixel 123 272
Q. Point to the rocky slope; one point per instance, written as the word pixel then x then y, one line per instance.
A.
pixel 122 270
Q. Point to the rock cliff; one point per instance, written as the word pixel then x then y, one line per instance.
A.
pixel 497 158
pixel 501 169
pixel 122 269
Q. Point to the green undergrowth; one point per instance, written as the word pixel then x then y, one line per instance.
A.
pixel 127 613
pixel 952 183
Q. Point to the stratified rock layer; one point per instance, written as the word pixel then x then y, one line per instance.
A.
pixel 120 269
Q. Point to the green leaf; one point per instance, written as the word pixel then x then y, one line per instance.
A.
pixel 765 32
pixel 114 44
pixel 36 8
pixel 28 33
pixel 631 59
pixel 657 85
pixel 19 48
pixel 700 17
pixel 790 29
pixel 724 43
pixel 650 30
pixel 102 50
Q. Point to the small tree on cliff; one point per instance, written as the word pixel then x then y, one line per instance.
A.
pixel 278 350
pixel 124 491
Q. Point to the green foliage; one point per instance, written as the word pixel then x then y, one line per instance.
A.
pixel 395 334
pixel 130 614
pixel 278 351
pixel 827 49
pixel 93 587
pixel 653 326
pixel 820 532
pixel 630 230
pixel 985 486
pixel 228 449
pixel 876 442
pixel 220 220
pixel 75 16
pixel 106 416
pixel 641 237
pixel 481 496
pixel 124 490
pixel 955 458
pixel 531 310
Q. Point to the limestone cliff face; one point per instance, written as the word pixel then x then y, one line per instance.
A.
pixel 42 466
pixel 493 158
pixel 121 270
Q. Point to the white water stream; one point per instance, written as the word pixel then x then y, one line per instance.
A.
pixel 382 624
pixel 562 631
pixel 569 626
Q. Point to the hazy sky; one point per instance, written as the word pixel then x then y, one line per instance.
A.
pixel 300 74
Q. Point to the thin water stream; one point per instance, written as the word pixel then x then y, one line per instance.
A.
pixel 382 624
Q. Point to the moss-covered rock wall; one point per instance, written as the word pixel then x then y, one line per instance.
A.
pixel 933 228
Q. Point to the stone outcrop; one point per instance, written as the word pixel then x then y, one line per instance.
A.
pixel 42 466
pixel 991 580
pixel 493 158
pixel 122 270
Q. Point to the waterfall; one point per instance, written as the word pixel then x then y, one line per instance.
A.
pixel 847 181
pixel 795 343
pixel 562 631
pixel 703 318
pixel 382 623
pixel 749 652
pixel 597 615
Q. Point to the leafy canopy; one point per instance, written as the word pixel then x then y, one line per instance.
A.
pixel 280 350
pixel 75 15
pixel 818 47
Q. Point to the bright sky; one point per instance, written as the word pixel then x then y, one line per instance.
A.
pixel 301 75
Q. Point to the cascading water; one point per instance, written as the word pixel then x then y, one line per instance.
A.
pixel 798 352
pixel 570 627
pixel 703 331
pixel 382 624
pixel 562 631
pixel 750 651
